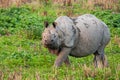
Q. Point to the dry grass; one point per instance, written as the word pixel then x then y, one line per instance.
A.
pixel 89 4
pixel 7 3
pixel 117 40
pixel 103 4
pixel 15 76
pixel 1 75
pixel 37 76
pixel 65 2
pixel 89 72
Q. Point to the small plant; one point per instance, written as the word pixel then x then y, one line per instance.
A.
pixel 110 18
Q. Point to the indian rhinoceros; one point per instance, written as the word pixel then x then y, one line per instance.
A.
pixel 78 37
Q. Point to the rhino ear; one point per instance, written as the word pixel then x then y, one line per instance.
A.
pixel 54 24
pixel 46 24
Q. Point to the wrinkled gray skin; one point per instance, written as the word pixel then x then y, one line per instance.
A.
pixel 78 37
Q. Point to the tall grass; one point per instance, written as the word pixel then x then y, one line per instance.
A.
pixel 87 4
pixel 103 4
pixel 8 3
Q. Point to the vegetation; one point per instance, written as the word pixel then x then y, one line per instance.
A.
pixel 22 56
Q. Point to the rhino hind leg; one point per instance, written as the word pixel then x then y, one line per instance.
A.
pixel 100 59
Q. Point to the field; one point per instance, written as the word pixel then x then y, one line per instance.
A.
pixel 23 57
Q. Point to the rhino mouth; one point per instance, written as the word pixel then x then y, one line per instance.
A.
pixel 50 46
pixel 55 50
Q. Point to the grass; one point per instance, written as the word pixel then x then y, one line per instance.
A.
pixel 23 57
pixel 26 59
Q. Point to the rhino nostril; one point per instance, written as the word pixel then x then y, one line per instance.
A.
pixel 45 41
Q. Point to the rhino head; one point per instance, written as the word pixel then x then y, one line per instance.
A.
pixel 50 37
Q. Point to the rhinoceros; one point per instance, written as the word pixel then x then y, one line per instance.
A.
pixel 77 37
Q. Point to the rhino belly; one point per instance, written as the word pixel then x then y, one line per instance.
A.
pixel 87 44
pixel 91 35
pixel 82 51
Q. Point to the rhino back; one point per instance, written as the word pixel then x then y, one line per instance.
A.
pixel 91 35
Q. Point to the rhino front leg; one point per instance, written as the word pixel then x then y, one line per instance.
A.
pixel 62 57
pixel 67 61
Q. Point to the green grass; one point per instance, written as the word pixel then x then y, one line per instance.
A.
pixel 27 59
pixel 23 57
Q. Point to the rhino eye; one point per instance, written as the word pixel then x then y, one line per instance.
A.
pixel 54 35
